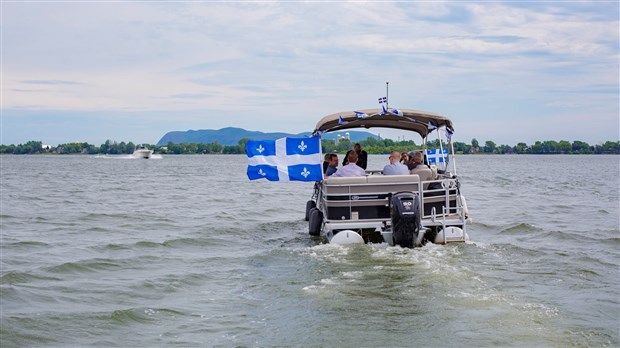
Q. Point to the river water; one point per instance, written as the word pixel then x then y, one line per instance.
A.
pixel 185 251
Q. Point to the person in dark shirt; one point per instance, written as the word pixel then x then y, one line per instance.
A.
pixel 333 165
pixel 362 156
pixel 326 160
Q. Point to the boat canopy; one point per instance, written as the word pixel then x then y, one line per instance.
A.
pixel 421 122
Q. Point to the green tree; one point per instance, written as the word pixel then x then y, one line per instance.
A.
pixel 503 149
pixel 489 146
pixel 328 146
pixel 343 146
pixel 565 147
pixel 612 147
pixel 216 147
pixel 581 147
pixel 537 148
pixel 131 147
pixel 242 143
pixel 520 148
pixel 474 143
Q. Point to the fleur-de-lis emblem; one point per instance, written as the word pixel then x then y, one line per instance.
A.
pixel 305 173
pixel 260 171
pixel 260 148
pixel 302 147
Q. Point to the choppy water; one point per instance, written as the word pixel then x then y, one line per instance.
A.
pixel 185 251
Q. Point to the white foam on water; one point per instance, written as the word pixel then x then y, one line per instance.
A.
pixel 329 281
pixel 326 252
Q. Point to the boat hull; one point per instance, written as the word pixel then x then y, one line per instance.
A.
pixel 143 153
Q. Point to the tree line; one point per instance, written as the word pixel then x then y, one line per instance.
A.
pixel 370 145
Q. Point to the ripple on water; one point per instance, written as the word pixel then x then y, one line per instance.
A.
pixel 87 266
pixel 13 277
pixel 519 229
pixel 141 315
pixel 27 244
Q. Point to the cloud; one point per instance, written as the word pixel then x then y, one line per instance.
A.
pixel 284 65
pixel 50 82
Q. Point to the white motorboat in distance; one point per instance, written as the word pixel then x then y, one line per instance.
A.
pixel 142 151
pixel 406 210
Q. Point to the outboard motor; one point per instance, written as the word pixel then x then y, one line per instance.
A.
pixel 405 215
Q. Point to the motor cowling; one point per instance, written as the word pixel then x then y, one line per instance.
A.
pixel 405 216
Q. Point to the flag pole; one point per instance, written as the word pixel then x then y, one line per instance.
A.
pixel 387 100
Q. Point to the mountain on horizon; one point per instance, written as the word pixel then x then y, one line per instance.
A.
pixel 232 135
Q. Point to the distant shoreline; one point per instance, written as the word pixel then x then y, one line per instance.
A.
pixel 370 145
pixel 243 154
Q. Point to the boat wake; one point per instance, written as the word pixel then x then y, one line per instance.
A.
pixel 128 157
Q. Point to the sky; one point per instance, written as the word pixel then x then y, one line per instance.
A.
pixel 505 71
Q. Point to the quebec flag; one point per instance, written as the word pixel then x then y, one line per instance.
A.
pixel 285 159
pixel 436 155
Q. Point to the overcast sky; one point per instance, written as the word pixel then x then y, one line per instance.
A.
pixel 132 71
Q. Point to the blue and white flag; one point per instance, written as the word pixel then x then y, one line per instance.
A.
pixel 360 114
pixel 436 155
pixel 397 112
pixel 285 159
pixel 449 133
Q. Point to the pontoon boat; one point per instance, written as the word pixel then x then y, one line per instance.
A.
pixel 396 209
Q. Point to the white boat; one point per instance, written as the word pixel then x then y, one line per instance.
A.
pixel 142 151
pixel 396 209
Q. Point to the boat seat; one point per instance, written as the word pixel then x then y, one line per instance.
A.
pixel 425 174
pixel 350 180
pixel 375 179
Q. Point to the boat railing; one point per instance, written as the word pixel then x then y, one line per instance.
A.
pixel 364 197
pixel 367 198
pixel 441 197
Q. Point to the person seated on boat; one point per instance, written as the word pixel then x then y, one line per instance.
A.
pixel 332 164
pixel 362 156
pixel 395 167
pixel 410 161
pixel 421 169
pixel 326 160
pixel 351 169
pixel 404 158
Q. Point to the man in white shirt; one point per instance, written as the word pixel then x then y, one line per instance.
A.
pixel 351 169
pixel 395 167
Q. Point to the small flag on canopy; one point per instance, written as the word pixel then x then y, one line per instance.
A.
pixel 360 114
pixel 449 133
pixel 397 112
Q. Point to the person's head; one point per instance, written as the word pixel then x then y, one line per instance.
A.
pixel 327 157
pixel 333 161
pixel 352 157
pixel 417 157
pixel 404 157
pixel 357 147
pixel 394 157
